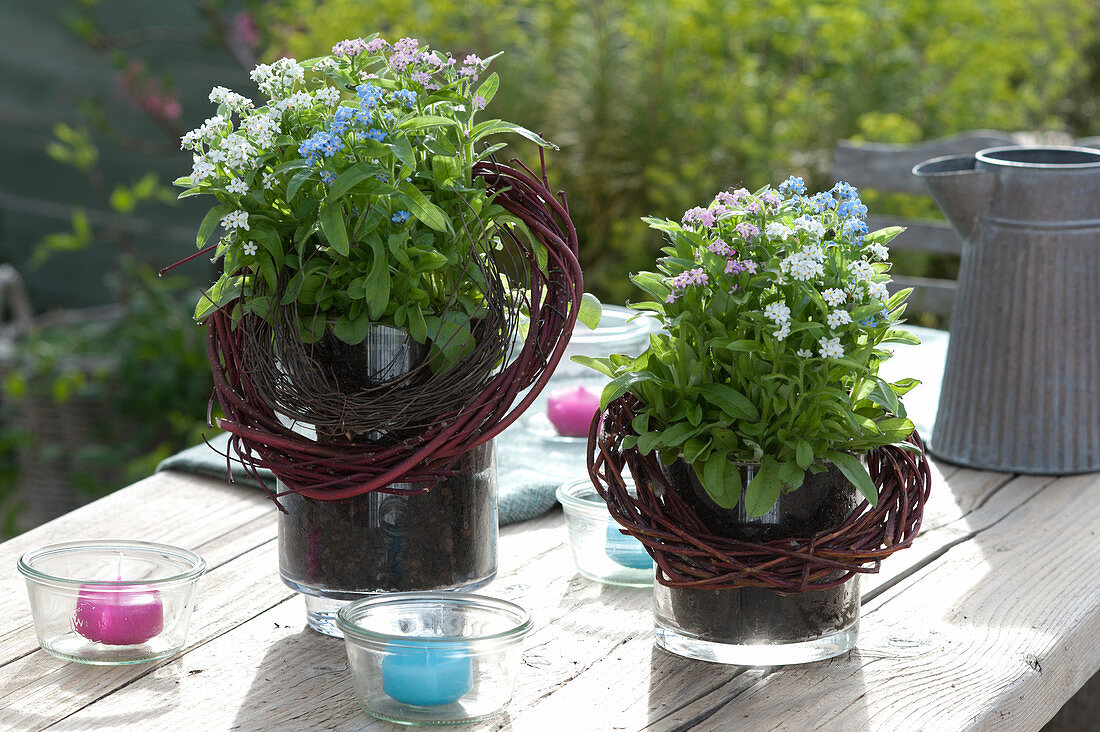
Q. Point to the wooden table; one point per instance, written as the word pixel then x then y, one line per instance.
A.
pixel 991 621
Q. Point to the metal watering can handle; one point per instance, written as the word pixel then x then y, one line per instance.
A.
pixel 14 301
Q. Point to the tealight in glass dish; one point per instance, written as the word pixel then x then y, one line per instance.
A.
pixel 433 658
pixel 109 601
pixel 600 550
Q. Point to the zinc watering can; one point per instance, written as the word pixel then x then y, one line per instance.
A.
pixel 1021 388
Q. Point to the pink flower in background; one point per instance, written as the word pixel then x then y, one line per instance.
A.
pixel 147 93
pixel 245 30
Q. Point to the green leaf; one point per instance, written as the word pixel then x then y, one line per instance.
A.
pixel 488 88
pixel 221 293
pixel 602 365
pixel 647 441
pixel 653 284
pixel 895 335
pixel 590 311
pixel 662 224
pixel 495 126
pixel 403 150
pixel 332 224
pixel 745 346
pixel 804 454
pixel 378 282
pixel 352 331
pixel 287 167
pixel 898 298
pixel 790 475
pixel 721 479
pixel 421 207
pixel 425 121
pixel 210 222
pixel 885 396
pixel 695 447
pixel 730 401
pixel 764 488
pixel 714 479
pixel 418 329
pixel 883 236
pixel 621 384
pixel 855 472
pixel 311 327
pixel 350 177
pixel 446 169
pixel 677 433
pixel 296 183
pixel 451 338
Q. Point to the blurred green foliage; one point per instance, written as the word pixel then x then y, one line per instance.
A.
pixel 657 105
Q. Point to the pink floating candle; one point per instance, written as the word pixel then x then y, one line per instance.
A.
pixel 122 615
pixel 571 410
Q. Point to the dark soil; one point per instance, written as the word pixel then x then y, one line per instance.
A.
pixel 751 615
pixel 382 542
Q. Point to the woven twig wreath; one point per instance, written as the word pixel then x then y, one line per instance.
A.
pixel 356 466
pixel 686 554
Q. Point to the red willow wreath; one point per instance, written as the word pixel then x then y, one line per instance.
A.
pixel 356 466
pixel 688 556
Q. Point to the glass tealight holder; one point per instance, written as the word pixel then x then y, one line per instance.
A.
pixel 433 658
pixel 600 550
pixel 109 601
pixel 621 330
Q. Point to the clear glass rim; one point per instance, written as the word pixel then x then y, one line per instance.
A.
pixel 26 563
pixel 635 324
pixel 570 501
pixel 521 620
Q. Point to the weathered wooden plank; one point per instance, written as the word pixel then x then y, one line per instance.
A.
pixel 888 167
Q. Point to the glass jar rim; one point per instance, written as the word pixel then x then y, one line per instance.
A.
pixel 27 569
pixel 629 325
pixel 347 616
pixel 570 501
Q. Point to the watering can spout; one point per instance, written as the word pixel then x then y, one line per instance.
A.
pixel 961 190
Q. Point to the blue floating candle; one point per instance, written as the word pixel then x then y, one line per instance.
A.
pixel 624 549
pixel 427 675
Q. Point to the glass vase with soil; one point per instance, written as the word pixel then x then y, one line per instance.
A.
pixel 753 626
pixel 334 552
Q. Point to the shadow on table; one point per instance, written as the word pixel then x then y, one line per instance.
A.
pixel 684 693
pixel 302 682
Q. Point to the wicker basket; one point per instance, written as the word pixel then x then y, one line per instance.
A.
pixel 53 434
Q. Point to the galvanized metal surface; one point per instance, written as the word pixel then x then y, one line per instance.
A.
pixel 1021 388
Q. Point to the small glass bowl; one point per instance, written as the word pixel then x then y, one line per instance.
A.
pixel 110 601
pixel 433 658
pixel 600 550
pixel 621 330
